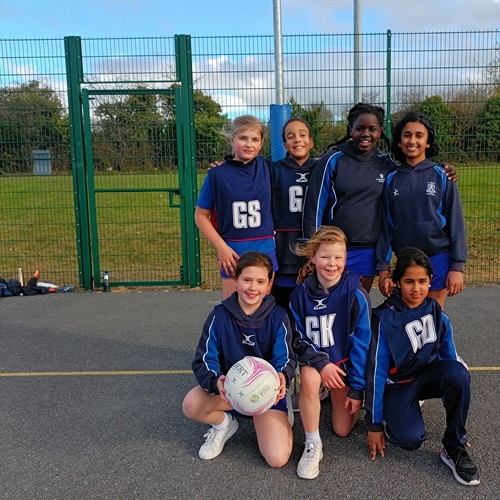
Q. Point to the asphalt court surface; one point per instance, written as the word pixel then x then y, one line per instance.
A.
pixel 91 386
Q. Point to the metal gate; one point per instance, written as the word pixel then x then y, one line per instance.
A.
pixel 134 174
pixel 136 194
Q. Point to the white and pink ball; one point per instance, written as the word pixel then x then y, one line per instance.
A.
pixel 252 386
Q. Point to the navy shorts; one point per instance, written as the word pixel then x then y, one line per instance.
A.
pixel 361 261
pixel 441 267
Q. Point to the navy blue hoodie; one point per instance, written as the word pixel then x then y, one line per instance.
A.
pixel 423 210
pixel 333 326
pixel 404 342
pixel 345 190
pixel 229 335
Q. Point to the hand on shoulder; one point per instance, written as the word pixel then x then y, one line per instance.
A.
pixel 450 172
pixel 215 164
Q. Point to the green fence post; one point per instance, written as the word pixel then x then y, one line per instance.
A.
pixel 74 77
pixel 388 127
pixel 184 73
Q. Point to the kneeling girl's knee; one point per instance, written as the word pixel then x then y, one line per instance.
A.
pixel 410 441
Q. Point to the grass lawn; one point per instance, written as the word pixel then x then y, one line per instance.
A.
pixel 140 237
pixel 480 193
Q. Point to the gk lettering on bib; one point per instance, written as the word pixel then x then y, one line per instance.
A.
pixel 320 330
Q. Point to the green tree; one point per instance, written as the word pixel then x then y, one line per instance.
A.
pixel 128 133
pixel 491 74
pixel 466 104
pixel 488 130
pixel 139 131
pixel 32 117
pixel 442 118
pixel 209 121
pixel 325 130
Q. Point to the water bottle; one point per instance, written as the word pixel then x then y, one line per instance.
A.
pixel 105 280
pixel 19 276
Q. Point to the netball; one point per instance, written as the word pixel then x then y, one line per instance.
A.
pixel 252 386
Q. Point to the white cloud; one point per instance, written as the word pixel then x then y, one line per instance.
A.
pixel 320 68
pixel 238 72
pixel 336 16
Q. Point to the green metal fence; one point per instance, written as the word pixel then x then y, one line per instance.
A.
pixel 139 166
pixel 37 211
pixel 122 184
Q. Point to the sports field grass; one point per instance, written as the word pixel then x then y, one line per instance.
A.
pixel 139 233
pixel 480 193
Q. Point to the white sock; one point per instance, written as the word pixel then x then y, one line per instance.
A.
pixel 313 437
pixel 225 423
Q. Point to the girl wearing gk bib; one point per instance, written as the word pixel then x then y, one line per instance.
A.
pixel 331 311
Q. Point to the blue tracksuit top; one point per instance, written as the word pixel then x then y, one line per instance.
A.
pixel 289 182
pixel 345 190
pixel 422 210
pixel 404 341
pixel 239 194
pixel 333 326
pixel 229 335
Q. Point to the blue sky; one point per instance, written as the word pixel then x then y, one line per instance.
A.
pixel 123 18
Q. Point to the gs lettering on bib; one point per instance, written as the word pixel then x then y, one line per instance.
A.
pixel 421 332
pixel 320 329
pixel 295 198
pixel 246 214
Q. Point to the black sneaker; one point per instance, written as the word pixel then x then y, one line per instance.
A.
pixel 463 468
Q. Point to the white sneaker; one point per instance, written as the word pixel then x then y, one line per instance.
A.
pixel 308 467
pixel 216 439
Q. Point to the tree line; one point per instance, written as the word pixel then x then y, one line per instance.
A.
pixel 137 132
pixel 467 128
